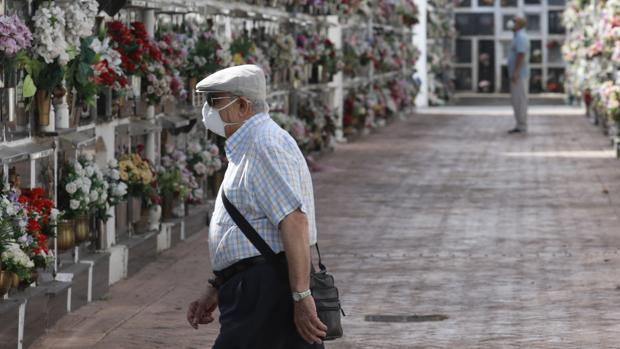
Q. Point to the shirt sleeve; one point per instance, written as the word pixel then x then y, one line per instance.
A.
pixel 521 44
pixel 277 182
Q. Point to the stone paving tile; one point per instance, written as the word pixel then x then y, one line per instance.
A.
pixel 513 238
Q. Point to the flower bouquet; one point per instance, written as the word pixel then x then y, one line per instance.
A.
pixel 108 70
pixel 74 194
pixel 203 158
pixel 159 83
pixel 42 219
pixel 16 261
pixel 15 37
pixel 117 189
pixel 175 160
pixel 136 173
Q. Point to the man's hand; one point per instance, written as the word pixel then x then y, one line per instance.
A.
pixel 200 311
pixel 308 324
pixel 515 78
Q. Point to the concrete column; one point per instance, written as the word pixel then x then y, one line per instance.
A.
pixel 148 17
pixel 419 40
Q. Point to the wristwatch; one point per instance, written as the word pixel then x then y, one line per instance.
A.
pixel 299 296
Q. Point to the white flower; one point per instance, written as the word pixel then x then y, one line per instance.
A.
pixel 94 195
pixel 115 175
pixel 22 223
pixel 113 163
pixel 49 33
pixel 71 188
pixel 74 204
pixel 89 157
pixel 10 210
pixel 200 168
pixel 86 184
pixel 194 147
pixel 103 197
pixel 206 156
pixel 54 214
pixel 89 171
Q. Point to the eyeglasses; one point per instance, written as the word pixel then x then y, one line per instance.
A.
pixel 211 100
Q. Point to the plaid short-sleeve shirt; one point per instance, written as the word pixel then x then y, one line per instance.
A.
pixel 267 178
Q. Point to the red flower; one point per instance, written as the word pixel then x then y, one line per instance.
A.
pixel 33 226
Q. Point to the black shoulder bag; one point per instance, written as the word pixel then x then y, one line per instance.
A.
pixel 324 292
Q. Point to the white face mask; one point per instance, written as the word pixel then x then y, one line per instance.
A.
pixel 510 24
pixel 213 121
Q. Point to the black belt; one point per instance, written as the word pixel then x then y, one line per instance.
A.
pixel 221 276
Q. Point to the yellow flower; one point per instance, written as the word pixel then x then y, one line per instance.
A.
pixel 237 59
pixel 124 176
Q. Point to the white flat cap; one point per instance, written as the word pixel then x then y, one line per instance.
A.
pixel 243 80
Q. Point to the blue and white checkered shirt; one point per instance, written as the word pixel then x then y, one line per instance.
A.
pixel 267 178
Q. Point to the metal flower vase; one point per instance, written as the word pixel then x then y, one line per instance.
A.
pixel 65 237
pixel 6 279
pixel 82 228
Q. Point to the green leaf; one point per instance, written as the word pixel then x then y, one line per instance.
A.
pixel 29 88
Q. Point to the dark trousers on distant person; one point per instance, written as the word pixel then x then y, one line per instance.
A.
pixel 256 312
pixel 518 97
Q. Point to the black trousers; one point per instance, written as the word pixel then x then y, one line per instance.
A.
pixel 256 312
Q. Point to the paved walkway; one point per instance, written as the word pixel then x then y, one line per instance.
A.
pixel 514 238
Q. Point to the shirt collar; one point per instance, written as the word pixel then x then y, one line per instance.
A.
pixel 238 143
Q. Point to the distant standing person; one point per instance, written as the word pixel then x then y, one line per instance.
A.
pixel 519 71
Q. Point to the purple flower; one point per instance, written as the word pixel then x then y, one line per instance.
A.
pixel 14 35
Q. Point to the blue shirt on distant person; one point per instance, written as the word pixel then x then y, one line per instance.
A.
pixel 520 44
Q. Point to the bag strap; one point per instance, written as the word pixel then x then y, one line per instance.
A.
pixel 252 235
pixel 248 230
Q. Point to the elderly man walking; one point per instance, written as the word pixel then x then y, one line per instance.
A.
pixel 519 71
pixel 268 181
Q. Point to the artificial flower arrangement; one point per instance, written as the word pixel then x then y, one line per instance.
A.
pixel 159 83
pixel 45 70
pixel 77 194
pixel 137 174
pixel 356 55
pixel 297 128
pixel 15 37
pixel 117 189
pixel 244 51
pixel 176 179
pixel 609 96
pixel 27 221
pixel 355 111
pixel 174 56
pixel 206 55
pixel 283 56
pixel 76 186
pixel 42 219
pixel 408 11
pixel 320 120
pixel 136 48
pixel 203 158
pixel 107 70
